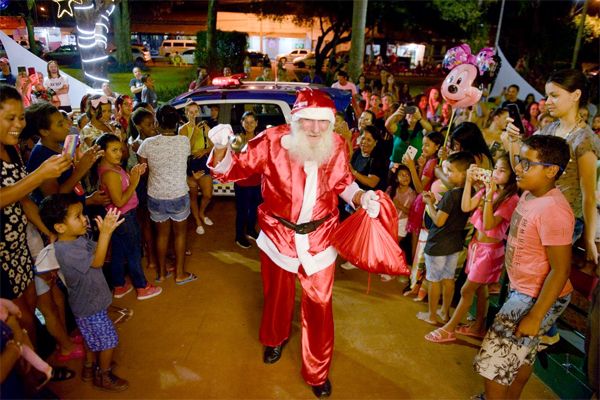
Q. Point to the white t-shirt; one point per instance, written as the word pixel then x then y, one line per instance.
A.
pixel 58 83
pixel 167 165
pixel 348 86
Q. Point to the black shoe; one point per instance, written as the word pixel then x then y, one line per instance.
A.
pixel 322 391
pixel 252 235
pixel 243 243
pixel 272 354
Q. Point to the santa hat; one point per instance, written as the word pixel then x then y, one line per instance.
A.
pixel 313 104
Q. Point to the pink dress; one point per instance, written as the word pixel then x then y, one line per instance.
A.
pixel 415 216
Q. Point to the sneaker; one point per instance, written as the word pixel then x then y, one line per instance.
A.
pixel 348 266
pixel 200 230
pixel 121 291
pixel 106 380
pixel 252 235
pixel 208 221
pixel 148 292
pixel 87 372
pixel 243 243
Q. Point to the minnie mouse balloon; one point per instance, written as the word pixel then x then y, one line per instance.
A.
pixel 463 86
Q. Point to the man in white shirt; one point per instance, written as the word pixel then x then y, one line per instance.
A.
pixel 344 84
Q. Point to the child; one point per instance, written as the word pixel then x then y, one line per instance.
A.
pixel 81 261
pixel 148 92
pixel 422 182
pixel 493 210
pixel 445 239
pixel 127 246
pixel 403 195
pixel 538 260
pixel 99 112
pixel 168 199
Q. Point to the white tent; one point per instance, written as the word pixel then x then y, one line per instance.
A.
pixel 508 76
pixel 19 56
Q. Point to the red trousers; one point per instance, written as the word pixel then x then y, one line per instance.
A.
pixel 279 287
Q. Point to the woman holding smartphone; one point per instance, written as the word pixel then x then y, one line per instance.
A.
pixel 197 171
pixel 566 91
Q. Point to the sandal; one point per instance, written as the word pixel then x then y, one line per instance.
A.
pixel 190 278
pixel 440 335
pixel 466 331
pixel 424 316
pixel 188 252
pixel 77 352
pixel 61 374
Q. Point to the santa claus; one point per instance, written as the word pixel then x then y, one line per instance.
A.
pixel 305 170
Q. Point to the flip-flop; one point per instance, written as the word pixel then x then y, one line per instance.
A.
pixel 191 278
pixel 466 331
pixel 440 335
pixel 61 374
pixel 423 316
pixel 188 252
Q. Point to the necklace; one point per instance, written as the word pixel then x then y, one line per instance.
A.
pixel 576 126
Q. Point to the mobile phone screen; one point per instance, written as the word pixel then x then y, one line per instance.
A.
pixel 513 112
pixel 31 71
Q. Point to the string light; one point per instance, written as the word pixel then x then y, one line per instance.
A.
pixel 66 7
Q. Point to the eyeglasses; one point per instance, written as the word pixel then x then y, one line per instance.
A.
pixel 526 164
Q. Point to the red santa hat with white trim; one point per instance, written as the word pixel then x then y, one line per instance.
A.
pixel 313 104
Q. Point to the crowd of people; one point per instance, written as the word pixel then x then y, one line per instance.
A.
pixel 472 192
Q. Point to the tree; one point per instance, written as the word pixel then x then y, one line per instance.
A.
pixel 359 15
pixel 92 19
pixel 211 36
pixel 122 27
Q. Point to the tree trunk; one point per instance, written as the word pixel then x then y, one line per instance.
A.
pixel 122 29
pixel 30 32
pixel 92 32
pixel 357 50
pixel 211 36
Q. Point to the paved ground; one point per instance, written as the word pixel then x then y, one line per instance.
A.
pixel 200 340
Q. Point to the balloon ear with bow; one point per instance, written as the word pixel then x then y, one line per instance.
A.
pixel 463 86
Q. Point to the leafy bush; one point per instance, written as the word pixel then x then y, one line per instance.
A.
pixel 230 49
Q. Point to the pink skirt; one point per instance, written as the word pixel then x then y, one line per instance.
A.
pixel 484 261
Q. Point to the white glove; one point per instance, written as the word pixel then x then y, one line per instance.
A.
pixel 219 135
pixel 369 201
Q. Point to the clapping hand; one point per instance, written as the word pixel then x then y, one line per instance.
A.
pixel 110 222
pixel 429 198
pixel 89 157
pixel 136 172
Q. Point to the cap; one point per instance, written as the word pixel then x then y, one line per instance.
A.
pixel 313 104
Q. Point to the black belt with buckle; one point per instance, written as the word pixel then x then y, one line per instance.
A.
pixel 304 228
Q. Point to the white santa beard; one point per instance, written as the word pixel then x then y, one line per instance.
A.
pixel 302 150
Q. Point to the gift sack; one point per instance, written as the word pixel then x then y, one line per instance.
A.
pixel 372 243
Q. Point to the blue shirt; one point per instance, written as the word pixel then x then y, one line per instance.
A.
pixel 39 154
pixel 88 291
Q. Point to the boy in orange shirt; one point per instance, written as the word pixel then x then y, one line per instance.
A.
pixel 538 261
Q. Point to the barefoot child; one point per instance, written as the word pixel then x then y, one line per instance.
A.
pixel 445 239
pixel 493 210
pixel 127 244
pixel 538 263
pixel 81 260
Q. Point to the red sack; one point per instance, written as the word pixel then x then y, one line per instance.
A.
pixel 372 243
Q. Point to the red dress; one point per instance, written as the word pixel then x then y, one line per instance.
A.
pixel 415 215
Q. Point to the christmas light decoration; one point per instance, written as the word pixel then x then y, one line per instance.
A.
pixel 66 7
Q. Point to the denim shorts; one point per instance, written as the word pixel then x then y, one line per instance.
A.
pixel 502 353
pixel 438 268
pixel 176 209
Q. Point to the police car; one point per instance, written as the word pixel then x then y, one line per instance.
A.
pixel 271 102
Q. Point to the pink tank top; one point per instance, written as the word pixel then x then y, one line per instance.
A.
pixel 504 210
pixel 133 200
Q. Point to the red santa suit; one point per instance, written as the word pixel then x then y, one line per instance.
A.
pixel 300 193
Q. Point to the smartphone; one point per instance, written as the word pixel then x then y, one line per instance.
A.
pixel 31 71
pixel 411 152
pixel 21 70
pixel 199 121
pixel 410 109
pixel 70 145
pixel 513 112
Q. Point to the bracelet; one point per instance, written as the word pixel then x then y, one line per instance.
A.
pixel 487 200
pixel 17 344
